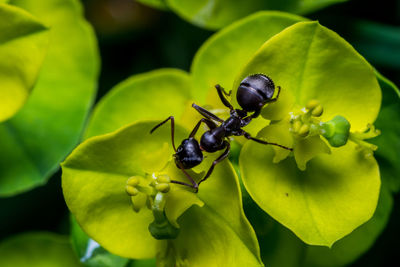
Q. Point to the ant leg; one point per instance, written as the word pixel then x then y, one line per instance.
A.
pixel 256 113
pixel 276 98
pixel 209 123
pixel 193 184
pixel 185 184
pixel 206 113
pixel 172 129
pixel 221 93
pixel 218 160
pixel 248 136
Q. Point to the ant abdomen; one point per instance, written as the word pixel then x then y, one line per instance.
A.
pixel 254 91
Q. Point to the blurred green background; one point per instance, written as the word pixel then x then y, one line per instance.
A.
pixel 134 38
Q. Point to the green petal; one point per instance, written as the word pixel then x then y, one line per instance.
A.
pixel 223 55
pixel 45 130
pixel 313 62
pixel 94 179
pixel 336 194
pixel 153 95
pixel 217 233
pixel 37 249
pixel 23 45
pixel 215 14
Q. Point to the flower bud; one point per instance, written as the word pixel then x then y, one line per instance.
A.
pixel 317 111
pixel 164 187
pixel 163 179
pixel 304 130
pixel 131 190
pixel 336 131
pixel 133 181
pixel 312 104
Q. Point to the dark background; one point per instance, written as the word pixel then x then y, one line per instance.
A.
pixel 135 39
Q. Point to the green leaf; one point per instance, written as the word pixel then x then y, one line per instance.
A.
pixel 37 249
pixel 308 6
pixel 143 263
pixel 316 63
pixel 379 43
pixel 160 4
pixel 94 179
pixel 223 55
pixel 153 95
pixel 49 125
pixel 215 14
pixel 23 45
pixel 89 252
pixel 388 121
pixel 336 194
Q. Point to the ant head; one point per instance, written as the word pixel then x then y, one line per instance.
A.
pixel 254 91
pixel 188 154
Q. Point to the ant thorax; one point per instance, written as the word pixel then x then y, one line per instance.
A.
pixel 232 125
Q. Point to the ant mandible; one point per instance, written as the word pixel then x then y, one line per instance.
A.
pixel 253 93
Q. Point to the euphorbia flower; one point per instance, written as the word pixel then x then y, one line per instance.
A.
pixel 334 195
pixel 326 87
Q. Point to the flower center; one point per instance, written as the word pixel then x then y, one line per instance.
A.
pixel 307 123
pixel 151 192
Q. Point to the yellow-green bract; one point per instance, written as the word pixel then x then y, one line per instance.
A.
pixel 94 179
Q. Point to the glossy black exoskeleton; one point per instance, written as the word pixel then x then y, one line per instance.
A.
pixel 253 93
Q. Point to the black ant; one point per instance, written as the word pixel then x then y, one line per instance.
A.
pixel 253 93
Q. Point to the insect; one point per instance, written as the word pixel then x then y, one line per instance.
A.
pixel 253 93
